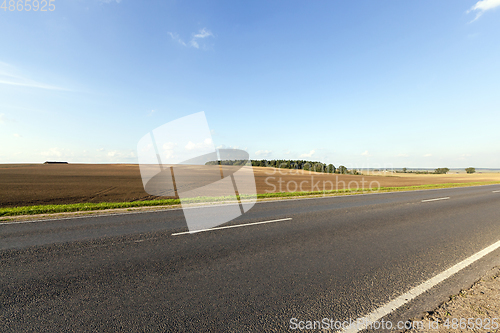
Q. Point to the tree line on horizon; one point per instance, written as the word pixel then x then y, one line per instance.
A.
pixel 320 167
pixel 291 164
pixel 439 171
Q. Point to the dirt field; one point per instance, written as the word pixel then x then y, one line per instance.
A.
pixel 34 184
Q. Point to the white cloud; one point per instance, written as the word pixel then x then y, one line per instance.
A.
pixel 17 135
pixel 117 156
pixel 427 155
pixel 483 6
pixel 203 33
pixel 190 146
pixel 176 38
pixel 263 153
pixel 365 153
pixel 223 146
pixel 168 145
pixel 403 155
pixel 120 155
pixel 168 149
pixel 464 157
pixel 194 42
pixel 310 154
pixel 207 143
pixel 108 1
pixel 52 152
pixel 9 76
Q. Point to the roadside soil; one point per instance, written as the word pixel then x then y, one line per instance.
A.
pixel 481 303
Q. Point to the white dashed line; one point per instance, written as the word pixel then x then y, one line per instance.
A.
pixel 231 226
pixel 437 199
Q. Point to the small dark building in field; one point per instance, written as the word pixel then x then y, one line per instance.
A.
pixel 54 162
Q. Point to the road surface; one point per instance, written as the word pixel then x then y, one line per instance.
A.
pixel 333 257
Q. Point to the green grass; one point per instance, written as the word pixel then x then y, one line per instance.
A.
pixel 81 207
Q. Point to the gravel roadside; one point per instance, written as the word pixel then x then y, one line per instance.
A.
pixel 480 303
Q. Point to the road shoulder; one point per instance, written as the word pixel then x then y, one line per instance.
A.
pixel 481 303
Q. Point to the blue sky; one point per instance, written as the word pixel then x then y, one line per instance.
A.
pixel 359 83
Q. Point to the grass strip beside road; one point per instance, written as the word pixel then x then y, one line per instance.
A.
pixel 81 207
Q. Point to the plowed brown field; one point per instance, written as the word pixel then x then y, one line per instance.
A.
pixel 35 184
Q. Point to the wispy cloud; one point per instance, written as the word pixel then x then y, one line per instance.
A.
pixel 203 33
pixel 4 119
pixel 176 38
pixel 194 42
pixel 427 155
pixel 9 76
pixel 108 1
pixel 223 146
pixel 464 157
pixel 201 146
pixel 263 153
pixel 52 152
pixel 482 6
pixel 310 154
pixel 17 135
pixel 366 153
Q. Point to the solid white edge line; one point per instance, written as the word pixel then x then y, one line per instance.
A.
pixel 230 226
pixel 413 293
pixel 496 191
pixel 437 199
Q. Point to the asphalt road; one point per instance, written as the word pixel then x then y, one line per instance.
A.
pixel 337 257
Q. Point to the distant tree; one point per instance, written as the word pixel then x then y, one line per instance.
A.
pixel 285 164
pixel 405 170
pixel 342 169
pixel 354 172
pixel 470 170
pixel 441 171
